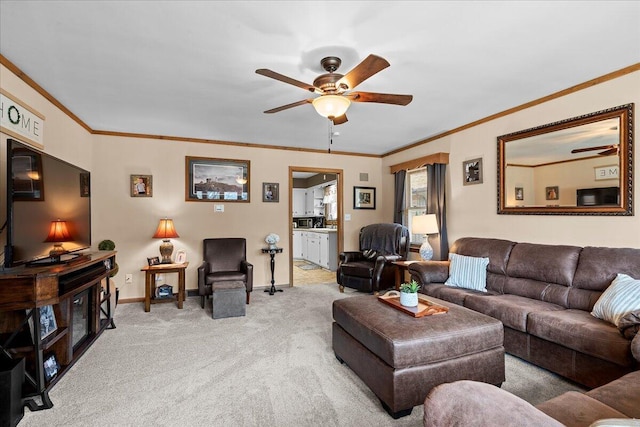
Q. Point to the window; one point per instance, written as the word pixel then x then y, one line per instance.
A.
pixel 416 199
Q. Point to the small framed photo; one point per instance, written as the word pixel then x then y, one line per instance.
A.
pixel 51 367
pixel 552 193
pixel 519 193
pixel 472 172
pixel 270 192
pixel 48 324
pixel 153 260
pixel 141 186
pixel 181 257
pixel 364 198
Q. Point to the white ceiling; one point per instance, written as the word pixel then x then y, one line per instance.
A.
pixel 187 68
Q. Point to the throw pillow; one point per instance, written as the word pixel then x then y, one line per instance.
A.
pixel 621 297
pixel 468 272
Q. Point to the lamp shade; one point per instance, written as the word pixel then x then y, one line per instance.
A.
pixel 166 230
pixel 424 224
pixel 331 105
pixel 58 232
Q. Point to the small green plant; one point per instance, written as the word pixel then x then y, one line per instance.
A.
pixel 106 245
pixel 410 288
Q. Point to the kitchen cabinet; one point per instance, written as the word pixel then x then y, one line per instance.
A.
pixel 313 248
pixel 328 251
pixel 299 244
pixel 299 202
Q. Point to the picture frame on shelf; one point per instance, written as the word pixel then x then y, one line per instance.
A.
pixel 181 257
pixel 153 261
pixel 47 321
pixel 141 185
pixel 270 192
pixel 215 180
pixel 51 367
pixel 472 172
pixel 364 197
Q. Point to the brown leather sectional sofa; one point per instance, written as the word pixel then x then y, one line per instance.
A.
pixel 470 403
pixel 543 295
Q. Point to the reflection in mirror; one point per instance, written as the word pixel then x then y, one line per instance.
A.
pixel 579 166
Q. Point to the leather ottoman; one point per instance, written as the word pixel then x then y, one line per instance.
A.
pixel 401 358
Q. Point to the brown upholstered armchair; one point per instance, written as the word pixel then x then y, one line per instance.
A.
pixel 370 269
pixel 225 260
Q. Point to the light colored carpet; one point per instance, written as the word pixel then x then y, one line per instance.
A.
pixel 273 367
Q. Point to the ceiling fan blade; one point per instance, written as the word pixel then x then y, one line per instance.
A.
pixel 340 120
pixel 371 65
pixel 383 98
pixel 601 147
pixel 609 152
pixel 286 107
pixel 272 74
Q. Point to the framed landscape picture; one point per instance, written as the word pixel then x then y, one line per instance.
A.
pixel 364 198
pixel 216 180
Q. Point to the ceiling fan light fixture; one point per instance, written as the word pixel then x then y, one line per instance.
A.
pixel 331 105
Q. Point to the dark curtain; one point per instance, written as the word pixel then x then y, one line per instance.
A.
pixel 398 197
pixel 436 204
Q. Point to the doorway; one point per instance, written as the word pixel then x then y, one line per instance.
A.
pixel 315 224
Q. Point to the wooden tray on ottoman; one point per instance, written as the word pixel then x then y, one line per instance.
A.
pixel 424 307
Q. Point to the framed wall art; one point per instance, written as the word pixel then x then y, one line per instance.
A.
pixel 215 180
pixel 364 198
pixel 472 172
pixel 270 192
pixel 552 193
pixel 141 186
pixel 519 193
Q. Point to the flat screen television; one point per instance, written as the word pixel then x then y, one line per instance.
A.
pixel 40 189
pixel 605 196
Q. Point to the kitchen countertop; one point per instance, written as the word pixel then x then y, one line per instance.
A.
pixel 317 230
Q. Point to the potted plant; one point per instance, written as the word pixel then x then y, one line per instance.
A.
pixel 108 245
pixel 409 294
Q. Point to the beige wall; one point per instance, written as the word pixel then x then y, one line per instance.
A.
pixel 471 210
pixel 130 222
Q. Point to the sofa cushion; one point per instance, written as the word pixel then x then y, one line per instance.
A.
pixel 451 294
pixel 621 394
pixel 544 263
pixel 511 310
pixel 575 409
pixel 495 249
pixel 468 272
pixel 620 298
pixel 578 330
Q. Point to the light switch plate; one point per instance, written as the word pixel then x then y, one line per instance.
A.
pixel 218 208
pixel 347 217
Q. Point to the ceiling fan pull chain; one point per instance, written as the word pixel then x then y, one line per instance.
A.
pixel 330 135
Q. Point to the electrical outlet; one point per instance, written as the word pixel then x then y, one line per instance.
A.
pixel 128 278
pixel 159 278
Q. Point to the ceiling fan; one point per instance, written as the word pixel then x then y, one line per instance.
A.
pixel 608 150
pixel 335 89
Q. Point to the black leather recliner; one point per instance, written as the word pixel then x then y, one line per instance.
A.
pixel 225 260
pixel 370 269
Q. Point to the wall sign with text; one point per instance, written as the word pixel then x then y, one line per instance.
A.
pixel 21 121
pixel 606 172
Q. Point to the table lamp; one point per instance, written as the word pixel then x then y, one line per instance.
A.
pixel 166 231
pixel 425 224
pixel 58 233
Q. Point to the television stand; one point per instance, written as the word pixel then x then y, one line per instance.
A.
pixel 51 314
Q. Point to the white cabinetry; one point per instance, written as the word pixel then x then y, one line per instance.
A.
pixel 329 251
pixel 313 247
pixel 317 247
pixel 299 202
pixel 299 244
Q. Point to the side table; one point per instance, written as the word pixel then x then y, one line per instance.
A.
pixel 272 253
pixel 150 283
pixel 401 267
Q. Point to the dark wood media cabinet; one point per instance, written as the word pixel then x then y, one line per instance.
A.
pixel 79 292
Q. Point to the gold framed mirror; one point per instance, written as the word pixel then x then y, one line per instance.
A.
pixel 578 166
